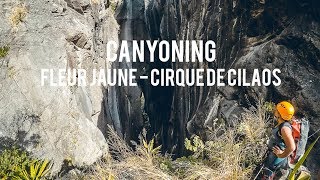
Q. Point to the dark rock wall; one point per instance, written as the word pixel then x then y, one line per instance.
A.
pixel 249 34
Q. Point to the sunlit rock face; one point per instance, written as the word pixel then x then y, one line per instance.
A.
pixel 55 123
pixel 71 122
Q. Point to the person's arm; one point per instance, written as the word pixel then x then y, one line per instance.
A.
pixel 286 133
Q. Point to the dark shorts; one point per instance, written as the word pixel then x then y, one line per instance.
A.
pixel 274 163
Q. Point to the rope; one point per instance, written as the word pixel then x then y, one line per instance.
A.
pixel 314 133
pixel 267 152
pixel 258 173
pixel 261 164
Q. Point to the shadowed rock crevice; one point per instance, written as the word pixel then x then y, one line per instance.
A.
pixel 249 34
pixel 71 122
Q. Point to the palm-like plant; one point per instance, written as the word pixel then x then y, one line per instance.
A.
pixel 36 170
pixel 301 161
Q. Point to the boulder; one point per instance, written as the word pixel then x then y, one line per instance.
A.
pixel 54 123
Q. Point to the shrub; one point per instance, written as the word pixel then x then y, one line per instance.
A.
pixel 126 163
pixel 35 170
pixel 16 164
pixel 4 51
pixel 229 153
pixel 269 106
pixel 13 162
pixel 18 14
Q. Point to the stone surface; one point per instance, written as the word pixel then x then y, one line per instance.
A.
pixel 71 122
pixel 55 123
pixel 249 34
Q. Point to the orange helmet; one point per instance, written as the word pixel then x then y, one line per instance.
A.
pixel 286 110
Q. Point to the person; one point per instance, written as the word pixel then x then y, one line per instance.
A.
pixel 282 143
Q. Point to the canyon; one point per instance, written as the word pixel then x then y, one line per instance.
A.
pixel 71 122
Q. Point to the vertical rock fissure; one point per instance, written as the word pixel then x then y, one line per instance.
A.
pixel 157 100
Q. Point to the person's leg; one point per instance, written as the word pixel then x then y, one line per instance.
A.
pixel 282 169
pixel 278 162
pixel 268 166
pixel 272 164
pixel 273 161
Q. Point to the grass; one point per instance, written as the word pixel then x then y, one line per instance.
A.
pixel 127 163
pixel 4 51
pixel 230 153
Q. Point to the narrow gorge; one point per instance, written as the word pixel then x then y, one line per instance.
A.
pixel 72 122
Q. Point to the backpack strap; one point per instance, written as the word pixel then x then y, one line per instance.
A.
pixel 284 124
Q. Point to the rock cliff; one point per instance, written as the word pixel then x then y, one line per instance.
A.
pixel 249 34
pixel 71 122
pixel 53 122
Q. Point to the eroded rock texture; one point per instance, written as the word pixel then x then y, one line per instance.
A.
pixel 71 122
pixel 55 123
pixel 249 34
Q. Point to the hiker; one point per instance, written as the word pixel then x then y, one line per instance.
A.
pixel 282 144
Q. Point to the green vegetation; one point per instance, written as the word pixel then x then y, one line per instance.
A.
pixel 16 164
pixel 229 153
pixel 113 6
pixel 36 170
pixel 149 149
pixel 196 145
pixel 4 51
pixel 269 106
pixel 13 162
